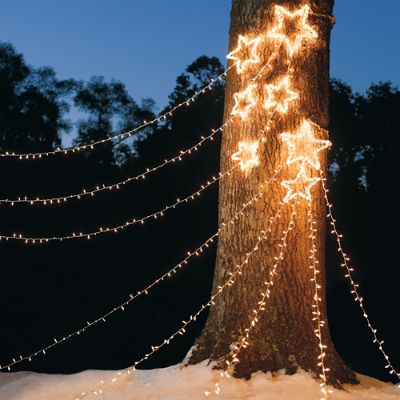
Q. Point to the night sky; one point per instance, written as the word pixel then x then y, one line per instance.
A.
pixel 146 44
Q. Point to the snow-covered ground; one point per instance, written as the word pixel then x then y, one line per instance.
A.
pixel 182 383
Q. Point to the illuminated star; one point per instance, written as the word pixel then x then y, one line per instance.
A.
pixel 247 155
pixel 292 27
pixel 300 186
pixel 244 101
pixel 279 96
pixel 245 48
pixel 304 146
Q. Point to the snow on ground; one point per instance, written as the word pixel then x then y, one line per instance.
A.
pixel 182 383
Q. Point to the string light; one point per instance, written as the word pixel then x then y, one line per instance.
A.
pixel 245 46
pixel 146 290
pixel 355 286
pixel 316 312
pixel 265 294
pixel 115 186
pixel 247 155
pixel 244 101
pixel 279 95
pixel 292 28
pixel 182 330
pixel 304 147
pixel 155 215
pixel 124 135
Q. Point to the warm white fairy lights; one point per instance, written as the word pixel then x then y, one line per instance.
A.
pixel 115 186
pixel 146 290
pixel 355 286
pixel 118 228
pixel 124 135
pixel 182 330
pixel 247 155
pixel 292 28
pixel 241 54
pixel 316 312
pixel 265 295
pixel 279 95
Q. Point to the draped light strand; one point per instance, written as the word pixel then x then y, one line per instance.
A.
pixel 316 312
pixel 145 291
pixel 182 330
pixel 116 186
pixel 265 295
pixel 355 286
pixel 101 230
pixel 120 136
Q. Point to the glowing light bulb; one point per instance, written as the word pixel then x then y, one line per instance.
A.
pixel 245 53
pixel 300 186
pixel 247 155
pixel 244 101
pixel 292 28
pixel 304 147
pixel 279 96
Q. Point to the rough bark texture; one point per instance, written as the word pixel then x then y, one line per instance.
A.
pixel 283 337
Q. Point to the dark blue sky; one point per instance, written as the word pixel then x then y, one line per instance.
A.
pixel 147 43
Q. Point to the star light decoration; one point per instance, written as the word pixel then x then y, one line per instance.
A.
pixel 244 101
pixel 279 96
pixel 300 186
pixel 247 155
pixel 292 28
pixel 240 54
pixel 304 148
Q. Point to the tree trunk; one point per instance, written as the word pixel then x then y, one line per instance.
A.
pixel 284 336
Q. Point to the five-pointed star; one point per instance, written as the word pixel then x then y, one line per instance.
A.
pixel 300 186
pixel 292 27
pixel 247 155
pixel 245 53
pixel 278 96
pixel 304 146
pixel 244 101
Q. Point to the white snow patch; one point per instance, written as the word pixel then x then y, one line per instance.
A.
pixel 182 383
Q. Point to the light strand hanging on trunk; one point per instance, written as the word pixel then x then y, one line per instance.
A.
pixel 182 330
pixel 265 294
pixel 316 308
pixel 355 286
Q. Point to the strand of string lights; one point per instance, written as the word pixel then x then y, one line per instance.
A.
pixel 120 136
pixel 142 220
pixel 182 330
pixel 355 286
pixel 316 312
pixel 115 186
pixel 146 290
pixel 265 295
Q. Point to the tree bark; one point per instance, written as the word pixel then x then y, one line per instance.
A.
pixel 284 336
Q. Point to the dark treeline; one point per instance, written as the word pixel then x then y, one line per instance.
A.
pixel 49 290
